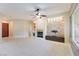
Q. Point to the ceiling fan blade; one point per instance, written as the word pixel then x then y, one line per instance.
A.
pixel 43 15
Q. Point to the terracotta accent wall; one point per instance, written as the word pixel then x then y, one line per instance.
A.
pixel 5 30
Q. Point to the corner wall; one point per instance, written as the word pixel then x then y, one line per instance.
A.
pixel 74 35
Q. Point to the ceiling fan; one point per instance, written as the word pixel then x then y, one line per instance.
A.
pixel 37 13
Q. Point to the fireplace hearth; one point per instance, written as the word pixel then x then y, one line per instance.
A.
pixel 40 34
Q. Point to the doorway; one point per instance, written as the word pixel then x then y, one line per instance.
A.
pixel 5 30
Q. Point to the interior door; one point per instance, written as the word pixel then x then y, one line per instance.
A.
pixel 5 30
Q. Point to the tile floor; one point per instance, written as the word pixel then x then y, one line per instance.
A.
pixel 33 47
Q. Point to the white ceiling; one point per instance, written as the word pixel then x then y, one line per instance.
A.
pixel 25 11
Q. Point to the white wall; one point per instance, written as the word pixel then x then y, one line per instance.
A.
pixel 67 29
pixel 21 28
